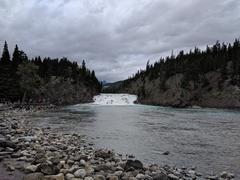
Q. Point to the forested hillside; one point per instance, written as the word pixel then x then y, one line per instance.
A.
pixel 207 78
pixel 44 80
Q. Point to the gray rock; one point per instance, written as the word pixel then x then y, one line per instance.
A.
pixel 82 162
pixel 10 168
pixel 5 153
pixel 84 157
pixel 49 169
pixel 212 177
pixel 118 173
pixel 140 176
pixel 69 176
pixel 88 178
pixel 39 158
pixel 81 173
pixel 31 169
pixel 99 177
pixel 136 164
pixel 160 176
pixel 55 177
pixel 70 162
pixel 103 154
pixel 102 167
pixel 172 177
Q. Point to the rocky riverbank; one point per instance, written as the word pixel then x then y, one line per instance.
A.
pixel 30 153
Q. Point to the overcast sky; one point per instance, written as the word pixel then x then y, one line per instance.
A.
pixel 116 37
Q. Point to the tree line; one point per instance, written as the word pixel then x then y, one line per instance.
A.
pixel 24 79
pixel 194 65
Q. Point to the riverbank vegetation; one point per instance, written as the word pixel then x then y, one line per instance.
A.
pixel 45 80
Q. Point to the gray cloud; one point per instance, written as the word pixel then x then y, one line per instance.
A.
pixel 116 38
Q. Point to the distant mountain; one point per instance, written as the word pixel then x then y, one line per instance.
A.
pixel 104 82
pixel 112 87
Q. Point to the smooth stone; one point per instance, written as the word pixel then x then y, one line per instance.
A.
pixel 55 177
pixel 88 178
pixel 82 162
pixel 31 168
pixel 140 176
pixel 69 176
pixel 34 176
pixel 119 168
pixel 5 153
pixel 81 173
pixel 99 177
pixel 118 173
pixel 212 177
pixel 172 177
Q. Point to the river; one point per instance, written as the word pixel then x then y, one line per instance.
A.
pixel 208 139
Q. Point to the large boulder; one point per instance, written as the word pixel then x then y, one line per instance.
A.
pixel 136 164
pixel 81 173
pixel 49 169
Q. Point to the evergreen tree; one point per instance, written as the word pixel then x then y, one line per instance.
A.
pixel 5 55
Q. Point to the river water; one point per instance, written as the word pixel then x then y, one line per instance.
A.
pixel 208 139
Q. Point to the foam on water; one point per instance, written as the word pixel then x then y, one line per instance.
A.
pixel 114 99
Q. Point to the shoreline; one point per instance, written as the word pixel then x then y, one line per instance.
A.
pixel 38 152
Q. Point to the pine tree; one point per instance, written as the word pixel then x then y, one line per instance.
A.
pixel 16 58
pixel 6 77
pixel 5 55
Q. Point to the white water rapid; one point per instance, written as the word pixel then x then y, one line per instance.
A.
pixel 114 99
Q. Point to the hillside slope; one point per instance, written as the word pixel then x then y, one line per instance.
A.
pixel 208 78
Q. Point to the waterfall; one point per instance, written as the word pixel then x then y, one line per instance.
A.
pixel 114 99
